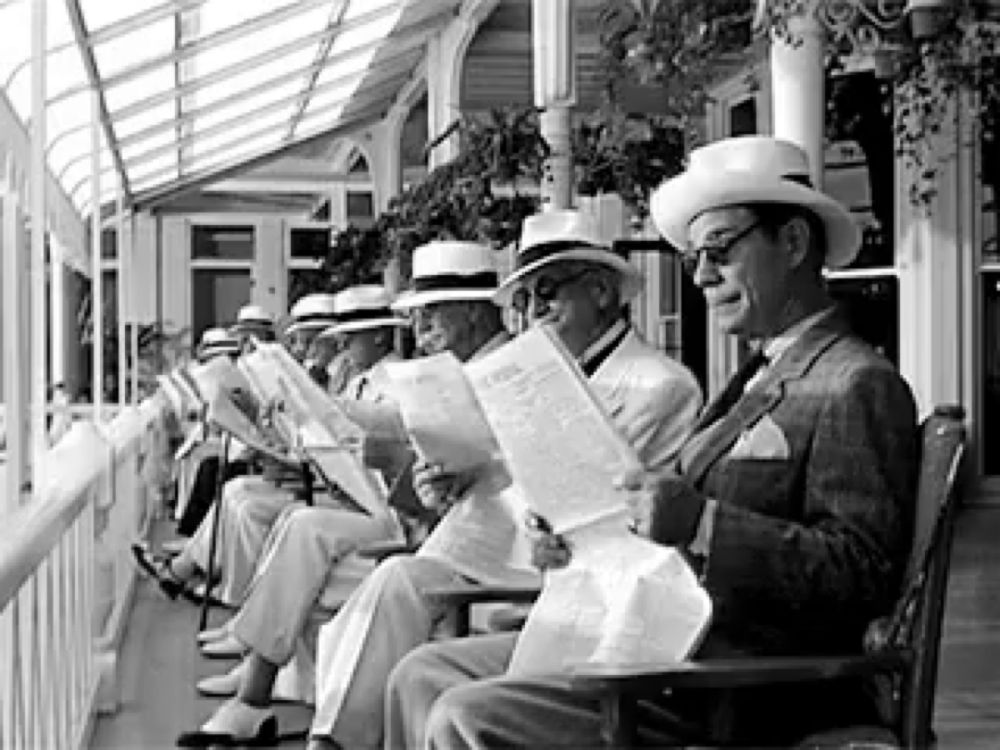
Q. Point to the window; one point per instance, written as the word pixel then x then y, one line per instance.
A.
pixel 222 243
pixel 217 296
pixel 360 208
pixel 109 248
pixel 989 288
pixel 860 173
pixel 311 243
pixel 308 246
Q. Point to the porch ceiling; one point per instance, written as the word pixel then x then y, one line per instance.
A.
pixel 192 88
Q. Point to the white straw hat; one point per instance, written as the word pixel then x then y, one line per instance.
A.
pixel 567 235
pixel 448 271
pixel 216 341
pixel 363 307
pixel 746 170
pixel 311 312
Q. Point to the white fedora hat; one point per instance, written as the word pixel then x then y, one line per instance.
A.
pixel 743 171
pixel 215 341
pixel 313 311
pixel 361 308
pixel 251 316
pixel 566 235
pixel 449 271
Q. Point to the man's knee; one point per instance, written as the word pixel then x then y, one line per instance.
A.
pixel 456 718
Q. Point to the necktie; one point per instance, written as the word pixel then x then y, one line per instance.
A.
pixel 733 390
pixel 362 383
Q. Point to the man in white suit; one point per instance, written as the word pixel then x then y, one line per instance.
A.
pixel 579 289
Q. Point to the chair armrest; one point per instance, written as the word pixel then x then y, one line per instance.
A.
pixel 381 550
pixel 731 673
pixel 466 594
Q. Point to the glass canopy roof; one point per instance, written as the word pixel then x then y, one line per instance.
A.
pixel 188 89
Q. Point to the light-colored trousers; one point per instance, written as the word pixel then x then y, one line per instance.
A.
pixel 250 506
pixel 386 617
pixel 308 569
pixel 454 694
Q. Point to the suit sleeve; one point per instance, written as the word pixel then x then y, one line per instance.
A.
pixel 840 563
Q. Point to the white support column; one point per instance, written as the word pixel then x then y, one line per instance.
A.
pixel 383 144
pixel 97 276
pixel 553 32
pixel 798 104
pixel 129 248
pixel 445 57
pixel 122 290
pixel 15 344
pixel 39 215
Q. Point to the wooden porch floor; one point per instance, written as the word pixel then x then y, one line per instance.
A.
pixel 160 663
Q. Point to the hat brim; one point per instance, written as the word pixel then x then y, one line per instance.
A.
pixel 212 350
pixel 410 300
pixel 680 200
pixel 245 325
pixel 306 325
pixel 631 277
pixel 354 326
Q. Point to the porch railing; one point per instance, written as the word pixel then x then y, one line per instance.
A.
pixel 65 582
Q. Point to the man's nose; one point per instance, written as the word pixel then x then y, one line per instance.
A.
pixel 706 273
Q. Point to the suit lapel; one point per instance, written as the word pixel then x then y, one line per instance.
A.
pixel 766 394
pixel 608 378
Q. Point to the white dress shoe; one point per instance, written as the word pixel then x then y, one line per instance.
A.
pixel 226 648
pixel 223 685
pixel 234 723
pixel 214 634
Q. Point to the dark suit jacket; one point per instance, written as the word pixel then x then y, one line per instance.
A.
pixel 814 471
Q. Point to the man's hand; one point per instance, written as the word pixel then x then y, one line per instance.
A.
pixel 549 551
pixel 438 489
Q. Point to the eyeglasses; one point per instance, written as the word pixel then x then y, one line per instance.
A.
pixel 717 252
pixel 545 289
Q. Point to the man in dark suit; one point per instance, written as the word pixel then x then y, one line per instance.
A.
pixel 793 499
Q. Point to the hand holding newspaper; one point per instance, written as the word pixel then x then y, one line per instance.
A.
pixel 622 599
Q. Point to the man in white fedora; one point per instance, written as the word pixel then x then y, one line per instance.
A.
pixel 253 322
pixel 793 497
pixel 309 567
pixel 216 342
pixel 309 316
pixel 566 277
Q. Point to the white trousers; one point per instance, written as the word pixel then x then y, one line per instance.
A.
pixel 250 506
pixel 386 617
pixel 306 572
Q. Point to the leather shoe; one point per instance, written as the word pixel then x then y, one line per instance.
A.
pixel 234 724
pixel 222 685
pixel 159 569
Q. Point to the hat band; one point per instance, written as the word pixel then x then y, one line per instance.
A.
pixel 451 281
pixel 372 313
pixel 801 179
pixel 316 318
pixel 546 250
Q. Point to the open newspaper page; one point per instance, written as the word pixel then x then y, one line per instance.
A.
pixel 481 535
pixel 622 600
pixel 318 429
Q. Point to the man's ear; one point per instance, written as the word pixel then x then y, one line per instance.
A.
pixel 796 237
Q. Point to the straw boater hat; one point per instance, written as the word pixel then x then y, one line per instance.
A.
pixel 251 317
pixel 361 308
pixel 565 235
pixel 450 271
pixel 216 341
pixel 746 170
pixel 311 312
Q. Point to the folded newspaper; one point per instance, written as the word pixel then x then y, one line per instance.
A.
pixel 528 407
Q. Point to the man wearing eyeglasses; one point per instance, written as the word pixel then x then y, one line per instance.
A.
pixel 566 277
pixel 793 498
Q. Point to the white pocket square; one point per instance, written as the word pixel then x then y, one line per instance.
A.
pixel 764 440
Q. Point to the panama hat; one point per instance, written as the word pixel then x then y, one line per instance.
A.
pixel 216 341
pixel 311 312
pixel 746 170
pixel 251 317
pixel 361 308
pixel 566 235
pixel 450 271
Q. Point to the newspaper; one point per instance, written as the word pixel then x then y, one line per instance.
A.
pixel 314 426
pixel 622 599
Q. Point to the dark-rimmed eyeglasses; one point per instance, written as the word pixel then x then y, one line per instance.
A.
pixel 717 251
pixel 544 290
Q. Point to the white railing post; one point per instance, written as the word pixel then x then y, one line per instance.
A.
pixel 97 275
pixel 14 341
pixel 57 311
pixel 133 318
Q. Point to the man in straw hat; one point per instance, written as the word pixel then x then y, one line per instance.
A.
pixel 253 323
pixel 310 567
pixel 793 497
pixel 568 278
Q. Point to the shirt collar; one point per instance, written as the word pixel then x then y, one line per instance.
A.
pixel 781 343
